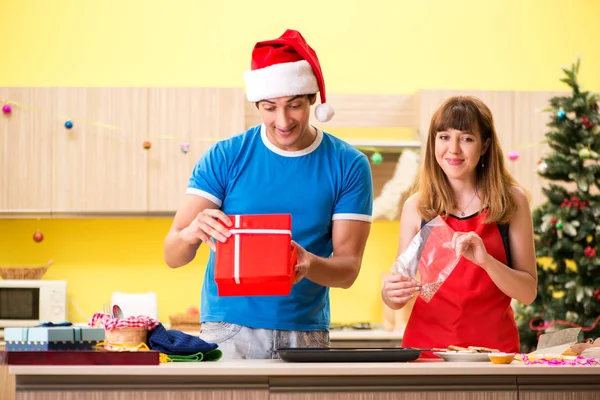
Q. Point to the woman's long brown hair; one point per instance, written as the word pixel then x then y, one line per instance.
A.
pixel 494 181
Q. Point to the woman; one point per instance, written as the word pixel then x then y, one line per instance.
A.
pixel 464 180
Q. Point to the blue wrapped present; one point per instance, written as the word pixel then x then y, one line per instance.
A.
pixel 45 338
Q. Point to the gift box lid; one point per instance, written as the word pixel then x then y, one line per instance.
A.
pixel 53 334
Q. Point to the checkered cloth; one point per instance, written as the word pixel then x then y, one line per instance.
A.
pixel 109 323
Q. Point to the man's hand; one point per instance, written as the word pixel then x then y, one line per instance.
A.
pixel 302 262
pixel 205 227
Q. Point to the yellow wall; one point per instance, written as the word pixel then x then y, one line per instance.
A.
pixel 392 46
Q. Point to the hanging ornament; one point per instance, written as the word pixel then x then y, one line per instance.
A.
pixel 589 252
pixel 513 155
pixel 68 124
pixel 561 114
pixel 586 122
pixel 6 109
pixel 147 145
pixel 553 220
pixel 589 239
pixel 559 225
pixel 542 167
pixel 376 158
pixel 585 153
pixel 185 147
pixel 38 236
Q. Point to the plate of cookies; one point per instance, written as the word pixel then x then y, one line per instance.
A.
pixel 465 354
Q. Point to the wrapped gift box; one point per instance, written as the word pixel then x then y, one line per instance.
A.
pixel 258 259
pixel 52 338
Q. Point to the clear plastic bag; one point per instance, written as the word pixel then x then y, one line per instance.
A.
pixel 429 257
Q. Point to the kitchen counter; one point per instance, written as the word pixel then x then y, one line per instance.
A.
pixel 279 380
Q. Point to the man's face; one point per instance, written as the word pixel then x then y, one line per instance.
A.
pixel 287 121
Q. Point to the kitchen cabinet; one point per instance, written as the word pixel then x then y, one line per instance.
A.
pixel 170 394
pixel 377 395
pixel 198 117
pixel 7 381
pixel 101 164
pixel 278 380
pixel 26 151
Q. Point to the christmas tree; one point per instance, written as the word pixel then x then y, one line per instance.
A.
pixel 567 233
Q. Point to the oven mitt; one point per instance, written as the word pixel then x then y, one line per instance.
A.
pixel 174 342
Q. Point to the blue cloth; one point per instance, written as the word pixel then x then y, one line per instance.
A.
pixel 51 324
pixel 247 174
pixel 173 342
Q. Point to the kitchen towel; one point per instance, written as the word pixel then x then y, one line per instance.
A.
pixel 174 342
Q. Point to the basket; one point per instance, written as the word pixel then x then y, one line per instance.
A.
pixel 24 272
pixel 184 319
pixel 124 339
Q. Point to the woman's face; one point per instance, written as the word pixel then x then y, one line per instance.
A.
pixel 458 153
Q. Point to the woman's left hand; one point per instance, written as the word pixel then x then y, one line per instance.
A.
pixel 470 246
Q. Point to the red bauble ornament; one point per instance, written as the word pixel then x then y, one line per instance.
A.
pixel 586 122
pixel 589 252
pixel 147 145
pixel 553 220
pixel 38 236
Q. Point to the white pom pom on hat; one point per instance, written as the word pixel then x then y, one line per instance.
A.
pixel 286 66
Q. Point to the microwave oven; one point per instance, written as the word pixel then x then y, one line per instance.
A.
pixel 32 302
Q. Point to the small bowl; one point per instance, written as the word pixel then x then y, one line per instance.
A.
pixel 501 358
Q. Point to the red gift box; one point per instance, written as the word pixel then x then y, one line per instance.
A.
pixel 258 259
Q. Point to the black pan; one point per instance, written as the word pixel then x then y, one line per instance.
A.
pixel 342 354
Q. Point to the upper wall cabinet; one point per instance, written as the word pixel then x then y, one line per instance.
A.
pixel 132 150
pixel 186 122
pixel 100 164
pixel 26 149
pixel 123 150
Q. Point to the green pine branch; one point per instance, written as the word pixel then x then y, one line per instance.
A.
pixel 566 230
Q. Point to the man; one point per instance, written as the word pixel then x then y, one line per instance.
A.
pixel 284 165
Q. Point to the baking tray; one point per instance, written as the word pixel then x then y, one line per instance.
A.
pixel 343 354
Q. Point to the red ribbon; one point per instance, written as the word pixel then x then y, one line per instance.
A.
pixel 547 324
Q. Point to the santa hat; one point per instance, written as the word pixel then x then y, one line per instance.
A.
pixel 286 66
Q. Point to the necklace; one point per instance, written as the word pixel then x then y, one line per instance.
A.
pixel 462 212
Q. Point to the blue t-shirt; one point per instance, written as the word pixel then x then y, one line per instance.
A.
pixel 247 174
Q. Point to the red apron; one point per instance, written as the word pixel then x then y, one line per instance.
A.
pixel 468 309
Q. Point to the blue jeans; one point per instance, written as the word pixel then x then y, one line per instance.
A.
pixel 236 341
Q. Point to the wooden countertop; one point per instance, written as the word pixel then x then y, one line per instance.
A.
pixel 282 368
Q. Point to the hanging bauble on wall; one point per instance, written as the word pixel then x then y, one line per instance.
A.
pixel 513 155
pixel 38 236
pixel 6 109
pixel 68 124
pixel 376 158
pixel 147 145
pixel 185 147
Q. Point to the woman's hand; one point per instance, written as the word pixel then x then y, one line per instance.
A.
pixel 470 246
pixel 399 289
pixel 205 227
